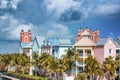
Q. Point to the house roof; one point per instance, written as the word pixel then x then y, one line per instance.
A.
pixel 102 41
pixel 56 42
pixel 26 45
pixel 64 42
pixel 39 40
pixel 85 42
pixel 118 41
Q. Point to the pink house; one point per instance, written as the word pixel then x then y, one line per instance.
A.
pixel 105 48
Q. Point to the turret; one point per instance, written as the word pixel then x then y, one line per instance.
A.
pixel 25 37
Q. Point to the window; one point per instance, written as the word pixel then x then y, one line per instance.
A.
pixel 88 53
pixel 117 51
pixel 80 69
pixel 65 50
pixel 110 51
pixel 52 52
pixel 81 53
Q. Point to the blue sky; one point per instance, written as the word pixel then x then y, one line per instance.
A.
pixel 56 18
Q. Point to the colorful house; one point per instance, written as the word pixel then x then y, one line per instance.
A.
pixel 88 42
pixel 56 47
pixel 84 47
pixel 25 42
pixel 105 47
pixel 38 41
pixel 118 54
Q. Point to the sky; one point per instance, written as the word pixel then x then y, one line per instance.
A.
pixel 56 18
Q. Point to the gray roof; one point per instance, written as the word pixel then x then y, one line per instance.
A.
pixel 40 40
pixel 118 41
pixel 102 41
pixel 64 42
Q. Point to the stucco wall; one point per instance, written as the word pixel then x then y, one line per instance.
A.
pixel 112 46
pixel 99 53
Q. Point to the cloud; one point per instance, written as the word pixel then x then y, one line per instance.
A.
pixel 43 18
pixel 53 29
pixel 105 9
pixel 58 7
pixel 10 27
pixel 9 3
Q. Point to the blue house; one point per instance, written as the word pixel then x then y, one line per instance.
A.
pixel 38 41
pixel 56 47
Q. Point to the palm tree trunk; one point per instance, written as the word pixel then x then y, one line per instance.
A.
pixel 91 77
pixel 98 77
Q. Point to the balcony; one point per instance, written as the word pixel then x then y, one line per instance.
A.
pixel 81 54
pixel 80 63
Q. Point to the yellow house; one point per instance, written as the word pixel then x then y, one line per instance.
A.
pixel 84 47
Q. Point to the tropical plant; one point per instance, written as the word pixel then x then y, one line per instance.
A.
pixel 68 60
pixel 81 76
pixel 110 65
pixel 93 68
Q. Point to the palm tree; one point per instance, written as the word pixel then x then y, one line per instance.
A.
pixel 92 67
pixel 110 67
pixel 43 62
pixel 68 60
pixel 24 63
pixel 34 62
pixel 81 76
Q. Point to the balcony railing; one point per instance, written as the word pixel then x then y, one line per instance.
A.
pixel 80 63
pixel 81 54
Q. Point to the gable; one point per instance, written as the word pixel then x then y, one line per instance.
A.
pixel 110 42
pixel 35 46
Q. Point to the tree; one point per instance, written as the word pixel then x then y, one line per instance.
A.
pixel 68 60
pixel 92 67
pixel 110 67
pixel 81 76
pixel 44 62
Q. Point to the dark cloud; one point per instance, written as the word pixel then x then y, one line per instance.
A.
pixel 71 15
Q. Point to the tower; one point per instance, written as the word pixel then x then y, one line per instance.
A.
pixel 93 35
pixel 97 36
pixel 79 34
pixel 25 37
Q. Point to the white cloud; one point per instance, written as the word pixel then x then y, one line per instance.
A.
pixel 9 3
pixel 52 29
pixel 11 27
pixel 3 3
pixel 105 9
pixel 14 3
pixel 57 7
pixel 47 29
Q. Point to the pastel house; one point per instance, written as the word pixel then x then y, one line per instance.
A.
pixel 37 43
pixel 25 42
pixel 88 42
pixel 56 47
pixel 105 47
pixel 84 47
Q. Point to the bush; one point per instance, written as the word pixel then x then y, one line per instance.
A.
pixel 25 76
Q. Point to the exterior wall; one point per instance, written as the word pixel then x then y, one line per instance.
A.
pixel 63 50
pixel 99 53
pixel 27 51
pixel 47 49
pixel 80 65
pixel 21 50
pixel 112 46
pixel 56 51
